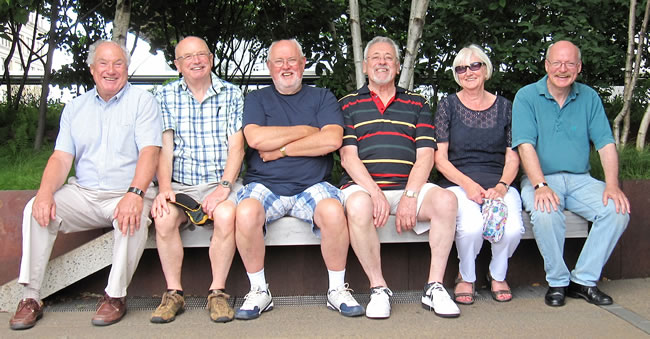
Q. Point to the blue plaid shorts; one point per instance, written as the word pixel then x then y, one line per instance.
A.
pixel 301 205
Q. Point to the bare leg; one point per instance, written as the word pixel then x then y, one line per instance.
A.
pixel 249 223
pixel 335 241
pixel 222 244
pixel 440 208
pixel 170 246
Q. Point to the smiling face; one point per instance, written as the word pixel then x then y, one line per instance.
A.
pixel 193 59
pixel 472 79
pixel 562 66
pixel 109 70
pixel 381 64
pixel 286 66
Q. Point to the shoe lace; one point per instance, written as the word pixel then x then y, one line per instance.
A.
pixel 378 291
pixel 215 297
pixel 436 287
pixel 343 295
pixel 252 297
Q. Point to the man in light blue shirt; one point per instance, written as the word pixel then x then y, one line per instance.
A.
pixel 553 123
pixel 203 149
pixel 113 135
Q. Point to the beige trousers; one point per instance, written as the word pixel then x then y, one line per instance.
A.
pixel 81 209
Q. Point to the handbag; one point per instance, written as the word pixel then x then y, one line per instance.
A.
pixel 495 216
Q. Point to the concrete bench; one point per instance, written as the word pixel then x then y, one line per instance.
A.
pixel 289 231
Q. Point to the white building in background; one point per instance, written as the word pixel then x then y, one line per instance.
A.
pixel 26 34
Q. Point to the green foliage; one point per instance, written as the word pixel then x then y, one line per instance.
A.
pixel 632 164
pixel 18 127
pixel 22 172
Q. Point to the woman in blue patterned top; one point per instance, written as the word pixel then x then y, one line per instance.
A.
pixel 473 130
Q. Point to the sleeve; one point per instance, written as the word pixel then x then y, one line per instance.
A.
pixel 349 132
pixel 168 121
pixel 600 132
pixel 253 110
pixel 148 129
pixel 524 124
pixel 64 141
pixel 424 129
pixel 329 111
pixel 236 111
pixel 442 120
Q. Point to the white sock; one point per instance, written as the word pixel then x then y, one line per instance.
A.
pixel 31 293
pixel 257 279
pixel 337 279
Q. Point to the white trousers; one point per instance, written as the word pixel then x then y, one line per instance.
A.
pixel 469 235
pixel 81 209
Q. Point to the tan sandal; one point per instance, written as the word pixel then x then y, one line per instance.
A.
pixel 497 294
pixel 459 279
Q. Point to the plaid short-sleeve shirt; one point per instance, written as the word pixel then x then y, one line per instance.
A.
pixel 201 129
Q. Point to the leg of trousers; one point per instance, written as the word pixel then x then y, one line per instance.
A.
pixel 80 209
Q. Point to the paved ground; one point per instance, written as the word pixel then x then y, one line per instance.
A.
pixel 525 317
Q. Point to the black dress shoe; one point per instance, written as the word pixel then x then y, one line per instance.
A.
pixel 590 293
pixel 555 296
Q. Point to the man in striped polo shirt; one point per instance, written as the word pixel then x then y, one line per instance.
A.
pixel 387 153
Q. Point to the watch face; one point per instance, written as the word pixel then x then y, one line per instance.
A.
pixel 225 183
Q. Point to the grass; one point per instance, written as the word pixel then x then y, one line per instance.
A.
pixel 633 165
pixel 22 170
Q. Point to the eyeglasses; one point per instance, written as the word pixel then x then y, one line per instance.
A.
pixel 376 58
pixel 188 56
pixel 474 66
pixel 280 62
pixel 569 65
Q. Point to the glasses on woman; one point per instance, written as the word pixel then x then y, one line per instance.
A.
pixel 474 66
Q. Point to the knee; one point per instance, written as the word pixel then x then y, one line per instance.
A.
pixel 445 201
pixel 619 220
pixel 224 219
pixel 167 223
pixel 359 209
pixel 329 215
pixel 249 215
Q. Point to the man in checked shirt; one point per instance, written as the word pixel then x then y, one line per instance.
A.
pixel 203 149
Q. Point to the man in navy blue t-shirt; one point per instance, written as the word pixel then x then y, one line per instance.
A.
pixel 291 130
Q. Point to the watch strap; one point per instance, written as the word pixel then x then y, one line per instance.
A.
pixel 136 190
pixel 541 184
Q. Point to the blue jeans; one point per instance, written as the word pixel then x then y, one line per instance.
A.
pixel 583 195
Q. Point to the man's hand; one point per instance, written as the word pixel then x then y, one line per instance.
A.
pixel 270 155
pixel 380 208
pixel 406 215
pixel 498 191
pixel 127 213
pixel 213 199
pixel 160 207
pixel 474 192
pixel 44 208
pixel 620 200
pixel 545 198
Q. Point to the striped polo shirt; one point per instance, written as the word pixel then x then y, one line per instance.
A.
pixel 387 136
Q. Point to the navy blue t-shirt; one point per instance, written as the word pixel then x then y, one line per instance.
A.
pixel 311 106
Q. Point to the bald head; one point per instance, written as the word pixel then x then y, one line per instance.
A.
pixel 563 45
pixel 192 41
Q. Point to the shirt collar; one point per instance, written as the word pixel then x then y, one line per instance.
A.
pixel 366 90
pixel 542 89
pixel 217 85
pixel 116 97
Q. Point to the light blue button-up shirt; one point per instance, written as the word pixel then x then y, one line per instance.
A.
pixel 105 138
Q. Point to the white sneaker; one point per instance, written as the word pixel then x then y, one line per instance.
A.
pixel 257 301
pixel 341 300
pixel 437 299
pixel 379 305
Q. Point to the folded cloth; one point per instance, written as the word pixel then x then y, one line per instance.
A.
pixel 193 209
pixel 495 215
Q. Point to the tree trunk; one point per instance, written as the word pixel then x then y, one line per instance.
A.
pixel 643 129
pixel 416 24
pixel 121 21
pixel 45 86
pixel 355 29
pixel 631 75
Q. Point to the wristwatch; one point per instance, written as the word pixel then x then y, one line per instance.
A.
pixel 541 184
pixel 410 194
pixel 225 183
pixel 504 184
pixel 136 191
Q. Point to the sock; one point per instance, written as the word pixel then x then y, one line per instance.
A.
pixel 336 278
pixel 179 292
pixel 31 293
pixel 257 279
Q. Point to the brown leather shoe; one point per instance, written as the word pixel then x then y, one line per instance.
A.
pixel 27 313
pixel 110 311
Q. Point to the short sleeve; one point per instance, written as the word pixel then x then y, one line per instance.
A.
pixel 64 141
pixel 330 111
pixel 253 110
pixel 168 121
pixel 424 129
pixel 442 120
pixel 524 126
pixel 148 131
